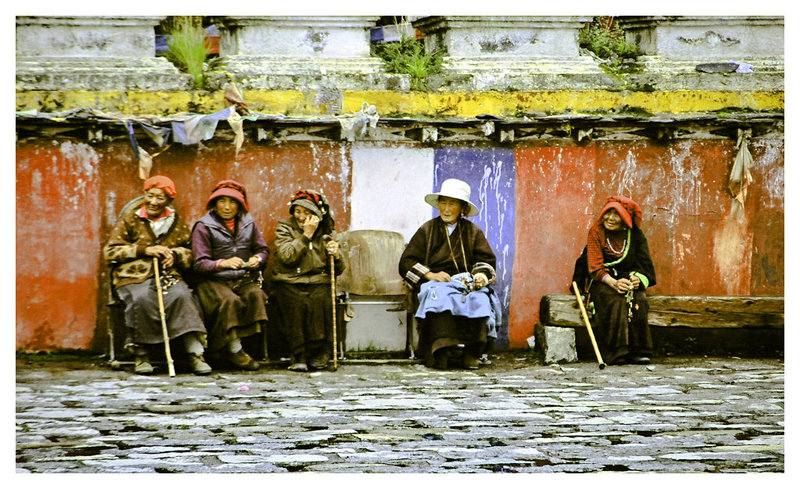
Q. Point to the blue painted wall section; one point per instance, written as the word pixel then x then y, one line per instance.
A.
pixel 491 175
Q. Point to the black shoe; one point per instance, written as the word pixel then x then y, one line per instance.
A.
pixel 640 360
pixel 320 361
pixel 440 359
pixel 620 360
pixel 470 362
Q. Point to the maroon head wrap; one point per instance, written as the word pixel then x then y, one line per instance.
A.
pixel 162 182
pixel 628 209
pixel 229 188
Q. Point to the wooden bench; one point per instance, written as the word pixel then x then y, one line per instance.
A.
pixel 559 312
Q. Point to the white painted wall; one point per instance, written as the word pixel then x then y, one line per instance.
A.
pixel 389 187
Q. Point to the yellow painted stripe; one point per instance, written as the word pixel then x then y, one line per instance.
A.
pixel 433 105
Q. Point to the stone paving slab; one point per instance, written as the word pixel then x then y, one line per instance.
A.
pixel 679 415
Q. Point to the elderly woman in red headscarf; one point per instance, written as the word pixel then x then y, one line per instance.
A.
pixel 229 254
pixel 620 269
pixel 301 279
pixel 155 230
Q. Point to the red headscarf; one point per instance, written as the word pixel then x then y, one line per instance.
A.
pixel 628 210
pixel 162 182
pixel 229 188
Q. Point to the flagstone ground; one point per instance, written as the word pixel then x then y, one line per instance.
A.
pixel 678 415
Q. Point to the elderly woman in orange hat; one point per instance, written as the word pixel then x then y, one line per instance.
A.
pixel 301 279
pixel 445 247
pixel 155 230
pixel 619 268
pixel 229 254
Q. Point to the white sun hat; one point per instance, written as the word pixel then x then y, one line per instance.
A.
pixel 456 189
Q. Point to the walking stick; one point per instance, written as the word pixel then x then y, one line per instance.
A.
pixel 327 238
pixel 585 316
pixel 170 363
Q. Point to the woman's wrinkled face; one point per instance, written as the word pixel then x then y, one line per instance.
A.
pixel 612 220
pixel 155 201
pixel 450 209
pixel 226 207
pixel 301 214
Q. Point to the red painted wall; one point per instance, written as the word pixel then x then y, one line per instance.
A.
pixel 69 195
pixel 698 246
pixel 57 197
pixel 555 186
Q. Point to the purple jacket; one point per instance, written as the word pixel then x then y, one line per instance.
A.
pixel 212 241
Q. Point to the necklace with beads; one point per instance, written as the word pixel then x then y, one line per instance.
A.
pixel 624 242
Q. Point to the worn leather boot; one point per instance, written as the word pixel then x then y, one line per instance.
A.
pixel 198 364
pixel 141 364
pixel 243 361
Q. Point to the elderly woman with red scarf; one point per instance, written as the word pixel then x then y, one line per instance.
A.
pixel 229 254
pixel 617 260
pixel 155 230
pixel 301 279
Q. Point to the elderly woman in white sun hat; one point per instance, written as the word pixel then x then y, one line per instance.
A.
pixel 450 264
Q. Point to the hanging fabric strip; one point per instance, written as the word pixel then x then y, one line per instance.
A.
pixel 741 177
pixel 196 128
pixel 160 135
pixel 132 138
pixel 235 120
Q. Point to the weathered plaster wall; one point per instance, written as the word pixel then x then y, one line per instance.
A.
pixel 384 174
pixel 58 228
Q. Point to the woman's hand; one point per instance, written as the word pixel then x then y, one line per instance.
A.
pixel 163 253
pixel 622 285
pixel 332 248
pixel 635 281
pixel 438 276
pixel 253 262
pixel 310 225
pixel 234 263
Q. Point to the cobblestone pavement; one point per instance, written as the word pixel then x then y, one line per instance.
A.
pixel 677 415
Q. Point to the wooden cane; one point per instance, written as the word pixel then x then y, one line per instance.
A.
pixel 333 314
pixel 328 238
pixel 170 363
pixel 585 316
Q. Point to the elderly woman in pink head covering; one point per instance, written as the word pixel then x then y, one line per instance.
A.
pixel 229 254
pixel 616 264
pixel 155 230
